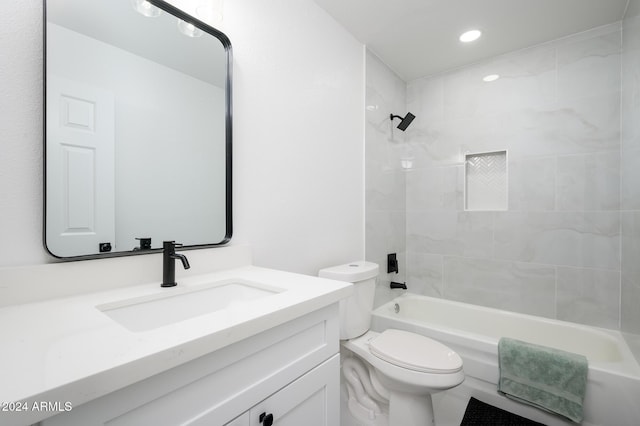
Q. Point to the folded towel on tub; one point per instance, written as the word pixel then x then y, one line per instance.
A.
pixel 547 378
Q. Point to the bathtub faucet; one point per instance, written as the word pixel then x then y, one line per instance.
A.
pixel 398 285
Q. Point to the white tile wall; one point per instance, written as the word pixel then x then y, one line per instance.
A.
pixel 588 296
pixel 630 290
pixel 588 182
pixel 573 169
pixel 630 176
pixel 514 286
pixel 460 233
pixel 532 184
pixel 582 239
pixel 385 179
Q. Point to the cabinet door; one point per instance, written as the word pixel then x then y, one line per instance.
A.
pixel 311 400
pixel 241 420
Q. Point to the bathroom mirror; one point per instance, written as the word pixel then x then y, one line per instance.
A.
pixel 137 129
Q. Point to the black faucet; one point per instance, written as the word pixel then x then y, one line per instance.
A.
pixel 398 285
pixel 169 256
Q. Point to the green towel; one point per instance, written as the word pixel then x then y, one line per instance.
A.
pixel 546 378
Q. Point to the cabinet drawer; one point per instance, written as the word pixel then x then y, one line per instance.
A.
pixel 312 400
pixel 221 385
pixel 242 420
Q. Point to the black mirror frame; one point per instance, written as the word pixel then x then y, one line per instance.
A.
pixel 226 43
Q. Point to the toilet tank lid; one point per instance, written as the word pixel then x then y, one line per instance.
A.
pixel 351 272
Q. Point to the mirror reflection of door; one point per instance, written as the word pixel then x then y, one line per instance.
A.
pixel 80 166
pixel 169 175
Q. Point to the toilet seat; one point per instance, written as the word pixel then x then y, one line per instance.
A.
pixel 415 352
pixel 412 378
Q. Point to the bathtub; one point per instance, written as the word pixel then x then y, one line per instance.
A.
pixel 613 389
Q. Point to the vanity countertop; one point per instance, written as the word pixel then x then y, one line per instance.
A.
pixel 67 351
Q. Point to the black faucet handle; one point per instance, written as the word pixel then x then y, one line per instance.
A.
pixel 392 263
pixel 170 246
pixel 145 243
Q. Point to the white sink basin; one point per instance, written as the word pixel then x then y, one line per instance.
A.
pixel 180 303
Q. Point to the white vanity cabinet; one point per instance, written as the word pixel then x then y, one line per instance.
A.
pixel 242 420
pixel 290 372
pixel 309 401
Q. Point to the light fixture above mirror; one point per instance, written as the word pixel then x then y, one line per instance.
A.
pixel 189 29
pixel 146 9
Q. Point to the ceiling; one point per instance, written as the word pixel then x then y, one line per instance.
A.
pixel 417 38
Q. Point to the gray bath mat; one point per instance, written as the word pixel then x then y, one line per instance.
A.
pixel 480 414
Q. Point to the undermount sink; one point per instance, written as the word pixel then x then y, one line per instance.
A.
pixel 177 304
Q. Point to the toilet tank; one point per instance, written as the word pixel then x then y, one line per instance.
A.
pixel 355 311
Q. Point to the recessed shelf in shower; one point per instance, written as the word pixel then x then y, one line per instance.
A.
pixel 486 181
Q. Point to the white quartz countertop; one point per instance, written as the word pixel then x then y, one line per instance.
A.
pixel 67 351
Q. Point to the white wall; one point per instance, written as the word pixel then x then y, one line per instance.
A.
pixel 21 133
pixel 298 134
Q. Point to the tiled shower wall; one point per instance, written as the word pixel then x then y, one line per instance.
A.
pixel 555 251
pixel 385 214
pixel 630 171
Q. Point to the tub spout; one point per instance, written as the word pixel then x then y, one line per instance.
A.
pixel 398 285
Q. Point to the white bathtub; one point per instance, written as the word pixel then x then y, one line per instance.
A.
pixel 613 389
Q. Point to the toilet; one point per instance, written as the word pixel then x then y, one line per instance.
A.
pixel 391 375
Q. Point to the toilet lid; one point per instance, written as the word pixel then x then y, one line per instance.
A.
pixel 415 352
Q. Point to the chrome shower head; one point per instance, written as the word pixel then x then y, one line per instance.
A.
pixel 404 121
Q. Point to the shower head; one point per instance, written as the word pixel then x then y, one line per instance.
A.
pixel 404 123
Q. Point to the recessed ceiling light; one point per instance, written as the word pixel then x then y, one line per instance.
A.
pixel 491 77
pixel 470 36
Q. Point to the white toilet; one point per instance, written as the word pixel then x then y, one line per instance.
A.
pixel 394 373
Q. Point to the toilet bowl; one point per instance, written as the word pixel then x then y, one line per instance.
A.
pixel 390 375
pixel 406 368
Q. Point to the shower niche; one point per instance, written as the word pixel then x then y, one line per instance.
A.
pixel 486 181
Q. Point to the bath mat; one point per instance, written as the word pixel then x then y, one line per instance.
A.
pixel 480 414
